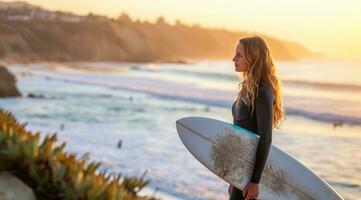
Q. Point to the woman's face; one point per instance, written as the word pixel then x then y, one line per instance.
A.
pixel 239 60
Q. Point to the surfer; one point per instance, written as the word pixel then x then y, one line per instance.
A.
pixel 258 106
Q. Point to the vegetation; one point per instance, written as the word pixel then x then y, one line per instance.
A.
pixel 54 174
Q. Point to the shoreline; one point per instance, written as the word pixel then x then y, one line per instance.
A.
pixel 295 106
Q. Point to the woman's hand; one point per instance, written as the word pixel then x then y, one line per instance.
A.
pixel 250 191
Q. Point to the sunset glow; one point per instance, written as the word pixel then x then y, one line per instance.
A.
pixel 331 27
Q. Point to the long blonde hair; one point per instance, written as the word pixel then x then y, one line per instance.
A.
pixel 260 68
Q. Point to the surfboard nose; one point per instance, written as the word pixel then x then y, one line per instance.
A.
pixel 181 123
pixel 185 122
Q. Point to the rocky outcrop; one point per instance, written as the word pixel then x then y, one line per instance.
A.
pixel 12 188
pixel 7 84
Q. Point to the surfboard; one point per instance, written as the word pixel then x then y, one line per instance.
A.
pixel 229 151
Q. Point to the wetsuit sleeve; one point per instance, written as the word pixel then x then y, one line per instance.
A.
pixel 264 112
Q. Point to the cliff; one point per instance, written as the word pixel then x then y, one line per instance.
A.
pixel 60 36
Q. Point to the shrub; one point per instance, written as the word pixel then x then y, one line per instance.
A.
pixel 54 174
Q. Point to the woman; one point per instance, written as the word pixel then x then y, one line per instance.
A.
pixel 258 107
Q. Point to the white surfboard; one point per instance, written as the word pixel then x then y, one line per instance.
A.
pixel 229 151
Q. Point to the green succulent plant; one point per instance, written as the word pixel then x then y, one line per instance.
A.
pixel 54 174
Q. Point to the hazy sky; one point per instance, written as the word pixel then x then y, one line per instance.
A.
pixel 332 27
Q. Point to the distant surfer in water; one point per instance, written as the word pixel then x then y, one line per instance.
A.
pixel 258 106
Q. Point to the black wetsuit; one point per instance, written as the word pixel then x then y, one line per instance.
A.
pixel 260 122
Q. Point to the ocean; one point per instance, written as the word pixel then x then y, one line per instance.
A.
pixel 95 105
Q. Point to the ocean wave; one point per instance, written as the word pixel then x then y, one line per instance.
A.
pixel 323 85
pixel 325 117
pixel 234 77
pixel 212 97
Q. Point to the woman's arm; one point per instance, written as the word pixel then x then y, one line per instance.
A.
pixel 264 112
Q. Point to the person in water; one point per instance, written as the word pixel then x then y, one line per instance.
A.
pixel 258 107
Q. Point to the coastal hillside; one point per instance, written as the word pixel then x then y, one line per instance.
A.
pixel 29 33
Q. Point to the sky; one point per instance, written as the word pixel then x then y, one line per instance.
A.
pixel 330 27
